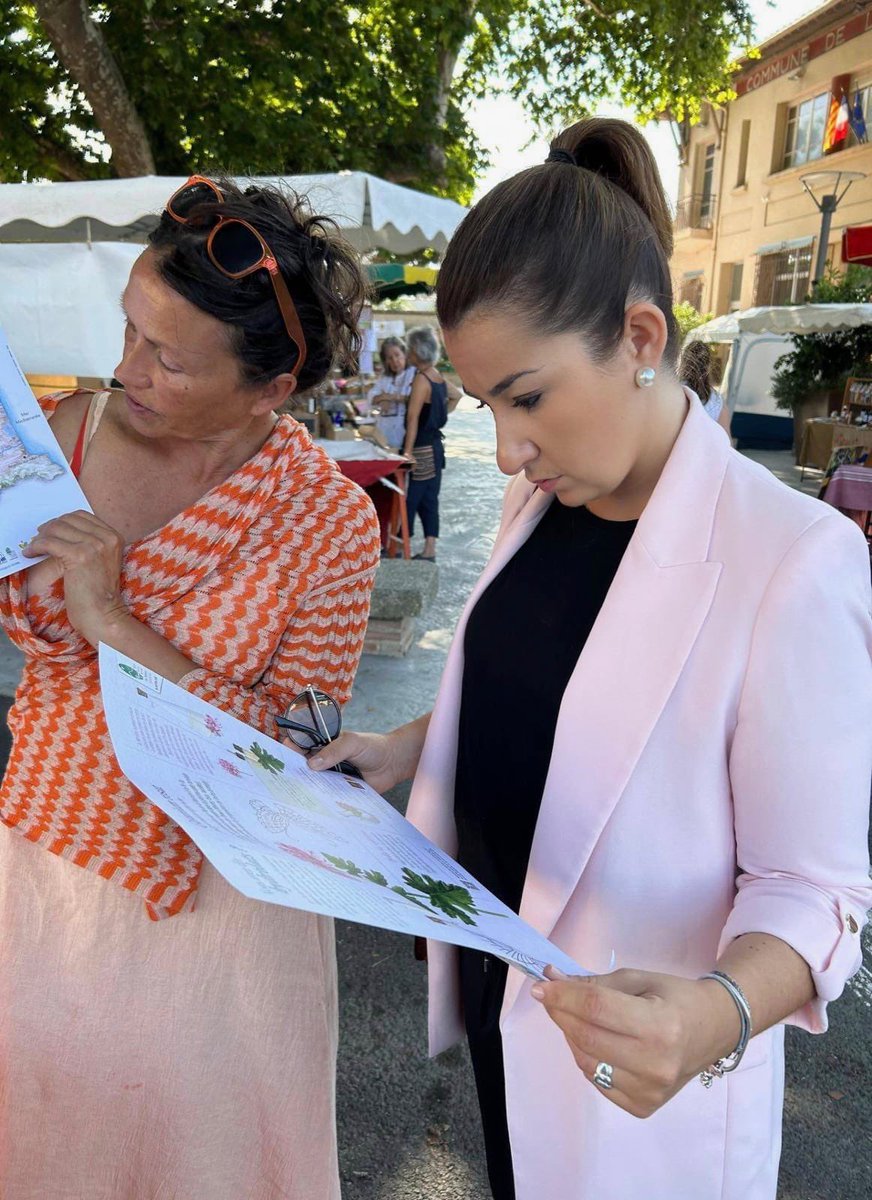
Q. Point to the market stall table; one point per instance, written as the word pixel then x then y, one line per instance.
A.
pixel 382 475
pixel 850 490
pixel 821 437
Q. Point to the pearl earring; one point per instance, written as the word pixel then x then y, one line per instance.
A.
pixel 645 377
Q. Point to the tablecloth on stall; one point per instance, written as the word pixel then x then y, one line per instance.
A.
pixel 851 487
pixel 821 437
pixel 360 461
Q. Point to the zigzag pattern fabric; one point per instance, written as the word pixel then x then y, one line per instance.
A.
pixel 264 583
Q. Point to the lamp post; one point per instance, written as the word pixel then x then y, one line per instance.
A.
pixel 827 205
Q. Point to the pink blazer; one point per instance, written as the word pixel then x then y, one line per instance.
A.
pixel 709 778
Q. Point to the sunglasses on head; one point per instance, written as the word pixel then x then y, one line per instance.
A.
pixel 236 249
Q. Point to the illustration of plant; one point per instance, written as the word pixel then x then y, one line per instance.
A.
pixel 268 761
pixel 361 815
pixel 452 899
pixel 230 768
pixel 131 671
pixel 213 725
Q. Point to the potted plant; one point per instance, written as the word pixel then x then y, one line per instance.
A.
pixel 809 381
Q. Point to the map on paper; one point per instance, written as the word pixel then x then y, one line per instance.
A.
pixel 36 482
pixel 277 831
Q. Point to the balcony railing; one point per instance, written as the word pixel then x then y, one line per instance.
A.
pixel 695 213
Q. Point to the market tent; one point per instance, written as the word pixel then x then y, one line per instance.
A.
pixel 805 318
pixel 758 338
pixel 372 213
pixel 395 279
pixel 66 250
pixel 721 329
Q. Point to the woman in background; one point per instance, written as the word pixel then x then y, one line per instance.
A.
pixel 701 371
pixel 390 393
pixel 432 399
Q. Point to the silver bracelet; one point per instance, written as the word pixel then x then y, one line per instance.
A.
pixel 731 1061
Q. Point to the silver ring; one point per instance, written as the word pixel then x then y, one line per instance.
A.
pixel 602 1076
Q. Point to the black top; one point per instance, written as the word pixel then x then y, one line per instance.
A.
pixel 522 642
pixel 434 414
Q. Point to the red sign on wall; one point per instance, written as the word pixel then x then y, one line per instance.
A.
pixel 758 74
pixel 857 245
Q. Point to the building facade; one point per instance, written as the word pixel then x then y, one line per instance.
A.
pixel 746 230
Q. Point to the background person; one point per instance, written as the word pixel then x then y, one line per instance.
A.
pixel 174 1037
pixel 391 392
pixel 701 371
pixel 687 788
pixel 432 399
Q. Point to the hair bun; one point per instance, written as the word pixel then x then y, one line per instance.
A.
pixel 617 151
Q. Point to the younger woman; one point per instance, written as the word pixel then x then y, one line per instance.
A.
pixel 652 736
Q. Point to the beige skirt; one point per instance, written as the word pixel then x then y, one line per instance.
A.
pixel 186 1059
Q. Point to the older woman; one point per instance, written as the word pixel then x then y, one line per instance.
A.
pixel 161 1034
pixel 391 392
pixel 432 399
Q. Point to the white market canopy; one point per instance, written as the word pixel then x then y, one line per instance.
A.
pixel 783 319
pixel 805 318
pixel 372 213
pixel 66 250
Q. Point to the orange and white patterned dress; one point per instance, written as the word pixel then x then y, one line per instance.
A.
pixel 194 1056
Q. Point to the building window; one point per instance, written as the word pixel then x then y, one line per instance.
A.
pixel 691 291
pixel 806 126
pixel 744 142
pixel 783 277
pixel 707 186
pixel 735 298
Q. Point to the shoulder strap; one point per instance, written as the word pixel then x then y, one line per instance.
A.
pixel 90 421
pixel 79 450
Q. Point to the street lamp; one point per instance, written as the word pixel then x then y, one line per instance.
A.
pixel 827 205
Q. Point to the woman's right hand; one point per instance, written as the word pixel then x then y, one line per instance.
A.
pixel 383 759
pixel 373 754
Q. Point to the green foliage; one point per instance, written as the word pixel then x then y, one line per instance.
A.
pixel 823 361
pixel 301 86
pixel 689 318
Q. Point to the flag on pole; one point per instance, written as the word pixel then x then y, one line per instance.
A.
pixel 838 120
pixel 858 121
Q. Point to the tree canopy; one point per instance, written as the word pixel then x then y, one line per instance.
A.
pixel 268 86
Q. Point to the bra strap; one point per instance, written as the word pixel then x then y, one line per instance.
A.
pixel 79 450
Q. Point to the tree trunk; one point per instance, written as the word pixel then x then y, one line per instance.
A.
pixel 82 49
pixel 446 63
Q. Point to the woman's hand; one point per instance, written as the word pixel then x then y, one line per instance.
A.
pixel 383 759
pixel 88 553
pixel 656 1031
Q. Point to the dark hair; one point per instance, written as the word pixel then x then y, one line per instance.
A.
pixel 698 369
pixel 569 243
pixel 386 345
pixel 321 270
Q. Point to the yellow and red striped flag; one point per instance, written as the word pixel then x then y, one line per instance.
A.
pixel 838 122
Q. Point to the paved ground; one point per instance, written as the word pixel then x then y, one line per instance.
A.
pixel 409 1127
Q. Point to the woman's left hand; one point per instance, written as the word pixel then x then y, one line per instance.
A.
pixel 89 554
pixel 655 1031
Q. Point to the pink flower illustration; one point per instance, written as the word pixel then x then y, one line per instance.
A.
pixel 212 724
pixel 230 768
pixel 306 856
